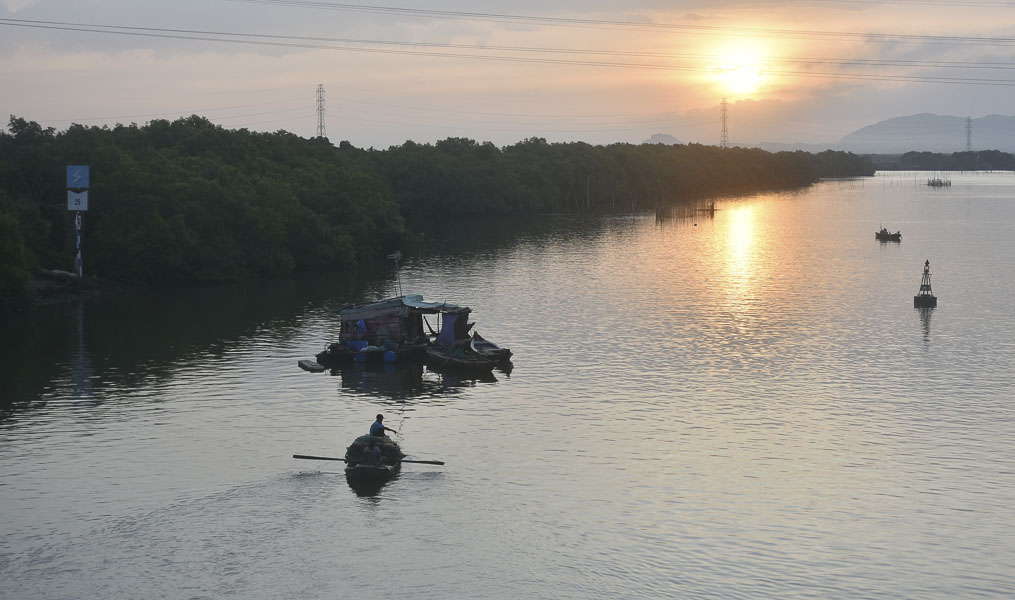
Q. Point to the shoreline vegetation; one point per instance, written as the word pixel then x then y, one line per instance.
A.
pixel 186 201
pixel 970 160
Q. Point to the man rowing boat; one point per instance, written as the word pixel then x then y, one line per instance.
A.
pixel 378 428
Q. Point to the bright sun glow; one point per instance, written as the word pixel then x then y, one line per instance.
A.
pixel 738 71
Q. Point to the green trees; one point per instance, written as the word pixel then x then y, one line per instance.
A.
pixel 186 200
pixel 985 160
pixel 15 276
pixel 189 201
pixel 461 176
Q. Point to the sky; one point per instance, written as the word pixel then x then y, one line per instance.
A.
pixel 600 71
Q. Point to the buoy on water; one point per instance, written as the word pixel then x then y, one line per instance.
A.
pixel 925 298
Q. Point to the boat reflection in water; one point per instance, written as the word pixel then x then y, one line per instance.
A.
pixel 391 380
pixel 407 380
pixel 365 488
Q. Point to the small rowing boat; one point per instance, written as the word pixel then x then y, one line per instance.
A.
pixel 489 349
pixel 371 473
pixel 458 358
pixel 391 460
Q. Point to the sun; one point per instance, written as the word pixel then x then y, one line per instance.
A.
pixel 739 79
pixel 738 71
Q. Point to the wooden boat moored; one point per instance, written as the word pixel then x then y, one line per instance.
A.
pixel 489 349
pixel 392 330
pixel 458 357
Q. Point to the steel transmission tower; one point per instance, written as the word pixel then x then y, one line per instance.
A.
pixel 724 113
pixel 320 111
pixel 969 134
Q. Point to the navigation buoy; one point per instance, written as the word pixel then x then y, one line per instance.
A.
pixel 925 298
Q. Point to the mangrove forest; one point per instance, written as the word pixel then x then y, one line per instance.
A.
pixel 190 201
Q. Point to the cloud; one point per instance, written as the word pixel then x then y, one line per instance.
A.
pixel 544 85
pixel 15 6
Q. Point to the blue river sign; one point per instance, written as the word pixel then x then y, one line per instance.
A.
pixel 77 176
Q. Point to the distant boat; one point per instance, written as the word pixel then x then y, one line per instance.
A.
pixel 886 236
pixel 938 182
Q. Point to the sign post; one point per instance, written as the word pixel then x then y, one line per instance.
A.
pixel 77 202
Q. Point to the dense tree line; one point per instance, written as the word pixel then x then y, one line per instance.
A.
pixel 463 176
pixel 979 160
pixel 187 201
pixel 190 201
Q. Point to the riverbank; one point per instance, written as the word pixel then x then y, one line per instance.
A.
pixel 245 206
pixel 58 287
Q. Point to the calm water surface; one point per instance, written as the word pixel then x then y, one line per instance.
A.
pixel 733 405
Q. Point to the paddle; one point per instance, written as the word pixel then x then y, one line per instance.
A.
pixel 405 460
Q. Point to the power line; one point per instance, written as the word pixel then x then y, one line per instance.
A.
pixel 848 62
pixel 570 21
pixel 845 62
pixel 250 39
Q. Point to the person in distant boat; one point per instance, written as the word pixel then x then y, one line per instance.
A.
pixel 371 455
pixel 378 428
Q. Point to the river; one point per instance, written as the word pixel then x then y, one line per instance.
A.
pixel 738 403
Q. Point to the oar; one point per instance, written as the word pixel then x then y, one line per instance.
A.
pixel 405 460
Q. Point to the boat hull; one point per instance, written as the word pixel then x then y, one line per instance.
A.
pixel 489 349
pixel 338 354
pixel 470 362
pixel 371 474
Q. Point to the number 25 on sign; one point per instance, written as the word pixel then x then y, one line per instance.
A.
pixel 77 200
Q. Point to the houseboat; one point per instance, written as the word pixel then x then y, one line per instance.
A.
pixel 396 329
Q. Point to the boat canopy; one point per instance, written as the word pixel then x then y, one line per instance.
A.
pixel 398 306
pixel 396 320
pixel 416 301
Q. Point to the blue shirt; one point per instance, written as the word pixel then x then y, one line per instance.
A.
pixel 377 429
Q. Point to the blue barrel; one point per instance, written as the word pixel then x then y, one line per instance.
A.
pixel 390 357
pixel 360 357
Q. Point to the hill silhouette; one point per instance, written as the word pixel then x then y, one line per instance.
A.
pixel 931 133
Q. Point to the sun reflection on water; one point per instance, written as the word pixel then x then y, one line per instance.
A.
pixel 740 268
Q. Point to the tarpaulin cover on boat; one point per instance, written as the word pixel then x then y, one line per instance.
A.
pixel 416 301
pixel 399 306
pixel 396 320
pixel 374 310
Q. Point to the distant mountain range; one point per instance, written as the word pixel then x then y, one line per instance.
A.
pixel 934 133
pixel 922 132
